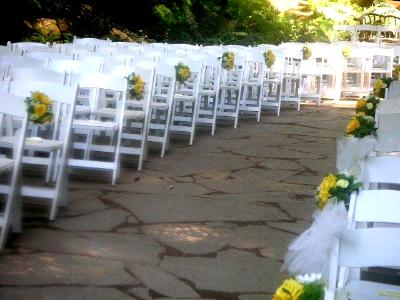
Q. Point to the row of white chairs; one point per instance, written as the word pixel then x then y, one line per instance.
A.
pixel 91 105
pixel 373 235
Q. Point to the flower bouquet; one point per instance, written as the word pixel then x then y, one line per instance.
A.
pixel 361 126
pixel 269 57
pixel 135 86
pixel 337 185
pixel 307 52
pixel 307 287
pixel 38 106
pixel 228 60
pixel 346 52
pixel 367 107
pixel 380 86
pixel 182 73
pixel 396 72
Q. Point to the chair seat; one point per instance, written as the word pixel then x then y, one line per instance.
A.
pixel 82 110
pixel 136 103
pixel 5 164
pixel 229 87
pixel 184 98
pixel 251 83
pixel 33 143
pixel 95 124
pixel 160 97
pixel 159 105
pixel 207 92
pixel 129 114
pixel 362 290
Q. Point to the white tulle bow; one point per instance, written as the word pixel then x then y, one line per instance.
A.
pixel 309 252
pixel 351 152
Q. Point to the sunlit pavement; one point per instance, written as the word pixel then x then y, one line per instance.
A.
pixel 208 221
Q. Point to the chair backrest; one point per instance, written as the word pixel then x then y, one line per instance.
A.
pixel 48 55
pixel 164 83
pixel 254 69
pixel 27 45
pixel 388 138
pixel 23 61
pixel 145 72
pixel 37 74
pixel 73 66
pixel 211 73
pixel 235 75
pixel 370 247
pixel 63 107
pixel 376 206
pixel 358 248
pixel 100 81
pixel 381 169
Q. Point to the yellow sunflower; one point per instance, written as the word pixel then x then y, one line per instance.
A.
pixel 289 290
pixel 352 125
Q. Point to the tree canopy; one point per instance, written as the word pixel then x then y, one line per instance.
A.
pixel 192 21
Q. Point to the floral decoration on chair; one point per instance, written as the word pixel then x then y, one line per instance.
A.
pixel 228 60
pixel 380 86
pixel 346 51
pixel 136 86
pixel 396 72
pixel 38 106
pixel 307 287
pixel 269 57
pixel 182 73
pixel 361 126
pixel 367 107
pixel 337 185
pixel 307 52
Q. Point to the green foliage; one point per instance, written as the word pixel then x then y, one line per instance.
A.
pixel 342 194
pixel 313 291
pixel 369 106
pixel 244 22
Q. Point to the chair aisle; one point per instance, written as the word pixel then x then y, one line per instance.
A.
pixel 98 100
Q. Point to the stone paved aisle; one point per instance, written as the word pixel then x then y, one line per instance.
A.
pixel 211 221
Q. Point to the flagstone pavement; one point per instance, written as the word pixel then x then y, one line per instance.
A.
pixel 208 221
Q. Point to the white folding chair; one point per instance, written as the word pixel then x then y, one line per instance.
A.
pixel 360 248
pixel 29 74
pixel 99 82
pixel 185 101
pixel 12 107
pixel 254 73
pixel 291 78
pixel 57 140
pixel 161 106
pixel 231 90
pixel 381 169
pixel 272 87
pixel 209 93
pixel 136 111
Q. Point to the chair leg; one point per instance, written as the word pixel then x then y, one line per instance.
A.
pixel 166 132
pixel 193 127
pixel 214 117
pixel 3 236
